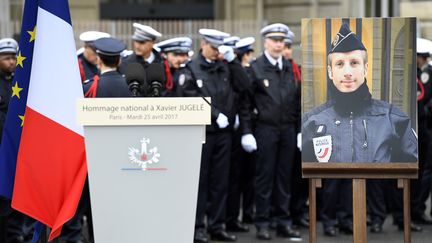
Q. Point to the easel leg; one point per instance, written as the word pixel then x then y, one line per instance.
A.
pixel 313 184
pixel 359 210
pixel 405 184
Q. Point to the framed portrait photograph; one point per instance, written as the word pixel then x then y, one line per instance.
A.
pixel 359 90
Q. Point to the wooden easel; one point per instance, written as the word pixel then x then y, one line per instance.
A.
pixel 359 172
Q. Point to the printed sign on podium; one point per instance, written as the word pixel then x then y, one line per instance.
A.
pixel 143 157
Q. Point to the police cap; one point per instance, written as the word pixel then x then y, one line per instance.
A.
pixel 90 36
pixel 346 41
pixel 424 46
pixel 275 31
pixel 109 46
pixel 144 33
pixel 244 45
pixel 177 45
pixel 214 37
pixel 8 45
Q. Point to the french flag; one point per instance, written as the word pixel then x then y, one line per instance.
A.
pixel 51 164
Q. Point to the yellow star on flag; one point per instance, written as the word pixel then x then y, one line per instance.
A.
pixel 20 60
pixel 16 90
pixel 32 34
pixel 22 120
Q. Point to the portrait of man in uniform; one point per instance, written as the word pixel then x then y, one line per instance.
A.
pixel 353 125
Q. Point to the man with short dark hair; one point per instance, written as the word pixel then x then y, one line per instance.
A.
pixel 175 52
pixel 353 127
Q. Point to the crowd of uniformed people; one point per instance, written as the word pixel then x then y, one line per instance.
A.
pixel 251 161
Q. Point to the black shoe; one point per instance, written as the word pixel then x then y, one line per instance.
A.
pixel 376 228
pixel 424 219
pixel 286 231
pixel 414 227
pixel 263 234
pixel 222 236
pixel 237 226
pixel 201 236
pixel 302 222
pixel 347 229
pixel 330 231
pixel 248 219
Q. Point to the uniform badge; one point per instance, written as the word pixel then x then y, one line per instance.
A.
pixel 321 130
pixel 266 83
pixel 322 148
pixel 182 79
pixel 199 83
pixel 424 77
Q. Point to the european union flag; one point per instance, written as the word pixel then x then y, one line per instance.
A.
pixel 15 117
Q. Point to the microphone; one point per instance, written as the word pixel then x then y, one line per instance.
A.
pixel 135 78
pixel 155 79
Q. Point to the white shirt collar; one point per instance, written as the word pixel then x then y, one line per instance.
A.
pixel 108 70
pixel 274 61
pixel 151 58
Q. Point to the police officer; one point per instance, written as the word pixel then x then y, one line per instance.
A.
pixel 345 129
pixel 422 186
pixel 242 170
pixel 175 52
pixel 276 100
pixel 87 55
pixel 244 50
pixel 207 76
pixel 110 83
pixel 299 208
pixel 144 39
pixel 12 222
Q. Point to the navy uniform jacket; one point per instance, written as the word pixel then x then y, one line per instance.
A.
pixel 89 69
pixel 111 84
pixel 5 95
pixel 273 94
pixel 201 78
pixel 376 132
pixel 424 104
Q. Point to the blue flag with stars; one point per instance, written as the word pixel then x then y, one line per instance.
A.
pixel 15 117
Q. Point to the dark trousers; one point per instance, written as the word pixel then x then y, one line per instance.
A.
pixel 14 226
pixel 377 199
pixel 426 180
pixel 275 158
pixel 336 202
pixel 299 188
pixel 241 182
pixel 213 182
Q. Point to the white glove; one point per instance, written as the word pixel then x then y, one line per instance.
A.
pixel 248 143
pixel 237 122
pixel 299 141
pixel 222 121
pixel 227 52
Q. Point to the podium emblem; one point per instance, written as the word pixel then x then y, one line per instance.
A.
pixel 144 157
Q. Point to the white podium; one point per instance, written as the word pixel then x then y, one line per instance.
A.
pixel 143 158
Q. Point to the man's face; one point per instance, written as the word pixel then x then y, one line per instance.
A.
pixel 175 59
pixel 208 51
pixel 143 48
pixel 348 70
pixel 287 52
pixel 274 46
pixel 8 62
pixel 90 54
